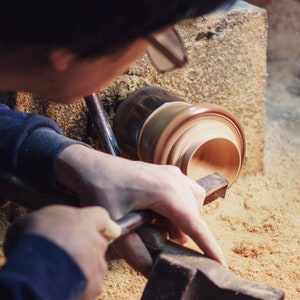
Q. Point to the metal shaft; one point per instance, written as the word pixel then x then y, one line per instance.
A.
pixel 102 126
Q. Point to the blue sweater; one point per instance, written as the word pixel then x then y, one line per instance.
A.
pixel 36 268
pixel 30 144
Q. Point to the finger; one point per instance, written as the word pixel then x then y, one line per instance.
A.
pixel 198 192
pixel 190 222
pixel 177 235
pixel 174 233
pixel 193 226
pixel 187 219
pixel 134 251
pixel 204 238
pixel 104 224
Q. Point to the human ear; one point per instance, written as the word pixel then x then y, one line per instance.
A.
pixel 61 59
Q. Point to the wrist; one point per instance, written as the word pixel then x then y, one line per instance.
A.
pixel 71 165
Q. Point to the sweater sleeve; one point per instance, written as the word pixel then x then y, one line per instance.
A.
pixel 37 269
pixel 30 144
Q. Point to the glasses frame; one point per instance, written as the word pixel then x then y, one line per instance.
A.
pixel 177 63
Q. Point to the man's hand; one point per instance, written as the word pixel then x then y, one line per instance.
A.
pixel 84 233
pixel 122 185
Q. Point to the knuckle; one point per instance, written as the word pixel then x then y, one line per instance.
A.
pixel 96 212
pixel 102 211
pixel 173 169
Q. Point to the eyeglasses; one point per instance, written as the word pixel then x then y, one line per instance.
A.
pixel 166 51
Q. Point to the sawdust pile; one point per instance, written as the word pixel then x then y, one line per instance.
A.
pixel 258 225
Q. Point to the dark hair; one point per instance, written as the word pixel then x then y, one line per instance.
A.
pixel 91 28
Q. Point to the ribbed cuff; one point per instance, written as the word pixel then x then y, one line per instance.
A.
pixel 38 153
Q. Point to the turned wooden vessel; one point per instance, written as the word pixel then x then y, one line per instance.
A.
pixel 156 126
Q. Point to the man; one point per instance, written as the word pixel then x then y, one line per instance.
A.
pixel 64 50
